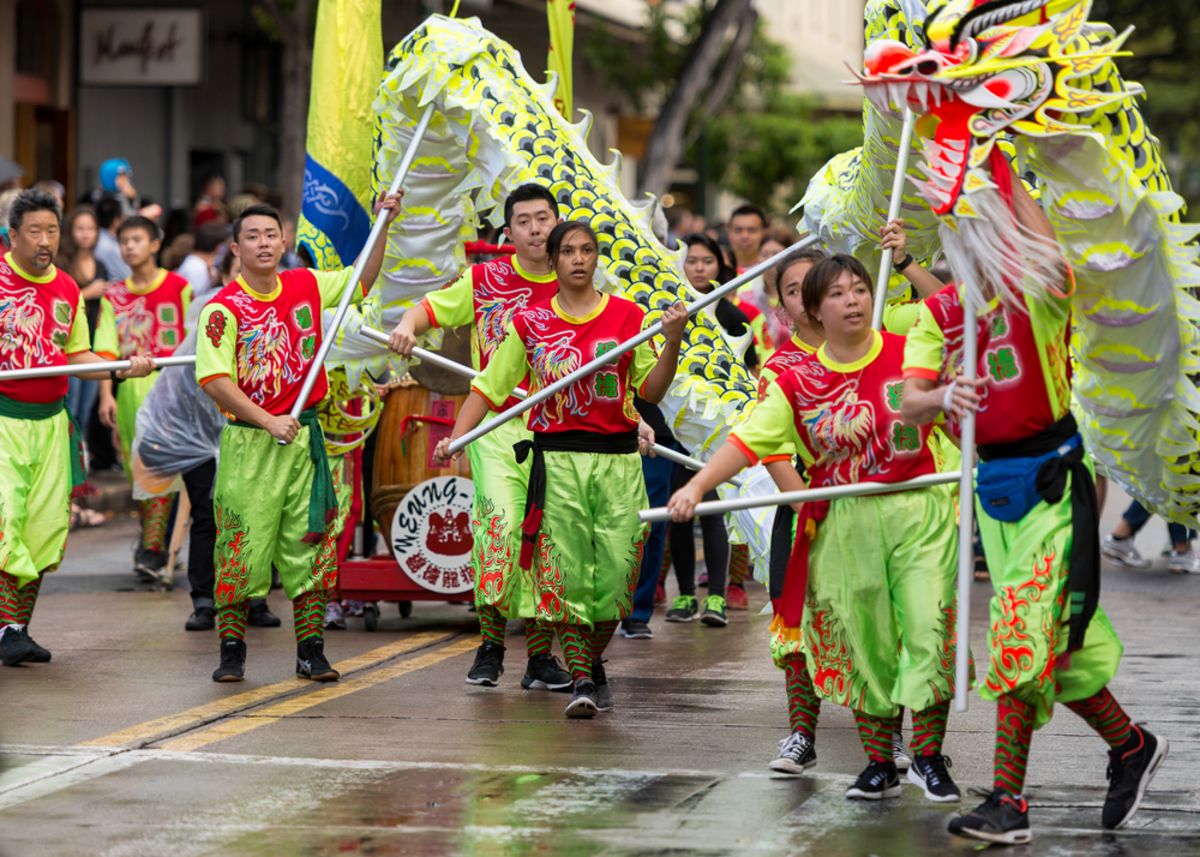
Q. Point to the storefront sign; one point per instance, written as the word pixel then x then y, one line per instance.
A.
pixel 431 534
pixel 141 47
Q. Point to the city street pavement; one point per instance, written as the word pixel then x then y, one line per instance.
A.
pixel 123 746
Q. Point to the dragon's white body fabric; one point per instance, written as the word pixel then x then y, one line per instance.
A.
pixel 1037 80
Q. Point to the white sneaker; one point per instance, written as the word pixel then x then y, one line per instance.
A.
pixel 335 619
pixel 1184 563
pixel 900 753
pixel 1122 552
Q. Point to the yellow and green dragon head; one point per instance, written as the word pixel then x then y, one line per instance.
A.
pixel 990 67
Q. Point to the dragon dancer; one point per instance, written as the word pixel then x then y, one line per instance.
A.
pixel 487 296
pixel 273 499
pixel 876 617
pixel 1049 639
pixel 581 535
pixel 42 323
pixel 142 314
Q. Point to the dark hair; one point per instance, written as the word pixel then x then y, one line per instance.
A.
pixel 527 193
pixel 260 209
pixel 210 236
pixel 138 222
pixel 108 211
pixel 742 210
pixel 68 250
pixel 560 232
pixel 724 272
pixel 227 264
pixel 809 254
pixel 818 281
pixel 29 201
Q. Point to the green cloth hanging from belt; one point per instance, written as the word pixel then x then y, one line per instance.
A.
pixel 322 499
pixel 18 410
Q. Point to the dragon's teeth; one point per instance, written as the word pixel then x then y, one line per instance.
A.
pixel 956 145
pixel 935 93
pixel 921 90
pixel 896 94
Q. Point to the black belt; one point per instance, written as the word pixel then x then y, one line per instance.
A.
pixel 1083 572
pixel 561 441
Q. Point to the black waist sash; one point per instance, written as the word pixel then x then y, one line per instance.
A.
pixel 1083 574
pixel 562 441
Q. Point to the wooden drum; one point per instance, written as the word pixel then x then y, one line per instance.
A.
pixel 414 420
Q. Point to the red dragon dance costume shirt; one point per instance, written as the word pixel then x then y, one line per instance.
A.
pixel 487 296
pixel 266 343
pixel 143 321
pixel 549 344
pixel 42 322
pixel 1022 351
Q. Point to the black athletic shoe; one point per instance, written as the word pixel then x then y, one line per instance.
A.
pixel 544 672
pixel 636 629
pixel 233 660
pixel 40 654
pixel 202 619
pixel 931 774
pixel 488 666
pixel 714 612
pixel 877 781
pixel 583 701
pixel 1002 818
pixel 311 662
pixel 797 753
pixel 684 608
pixel 260 616
pixel 604 694
pixel 17 648
pixel 1131 767
pixel 149 564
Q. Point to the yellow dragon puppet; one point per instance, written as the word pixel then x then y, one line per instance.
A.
pixel 1037 81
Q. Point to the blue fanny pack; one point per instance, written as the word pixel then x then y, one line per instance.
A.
pixel 1007 487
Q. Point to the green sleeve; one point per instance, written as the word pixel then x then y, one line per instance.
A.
pixel 332 284
pixel 645 358
pixel 923 347
pixel 185 298
pixel 106 331
pixel 216 343
pixel 454 305
pixel 79 338
pixel 770 429
pixel 507 368
pixel 899 318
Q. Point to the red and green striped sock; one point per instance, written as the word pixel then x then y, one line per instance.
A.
pixel 10 599
pixel 1104 714
pixel 1014 732
pixel 929 728
pixel 600 637
pixel 538 638
pixel 308 614
pixel 231 620
pixel 576 648
pixel 491 624
pixel 804 706
pixel 27 597
pixel 156 512
pixel 739 565
pixel 876 735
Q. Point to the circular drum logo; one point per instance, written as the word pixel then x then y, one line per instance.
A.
pixel 431 534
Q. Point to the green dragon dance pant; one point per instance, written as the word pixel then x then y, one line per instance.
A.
pixel 878 626
pixel 35 494
pixel 261 501
pixel 1029 612
pixel 497 510
pixel 589 549
pixel 155 512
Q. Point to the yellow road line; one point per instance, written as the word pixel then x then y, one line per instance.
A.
pixel 193 717
pixel 273 713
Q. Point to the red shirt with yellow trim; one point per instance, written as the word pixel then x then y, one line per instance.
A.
pixel 844 419
pixel 41 322
pixel 487 296
pixel 1022 352
pixel 143 321
pixel 266 343
pixel 547 344
pixel 788 356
